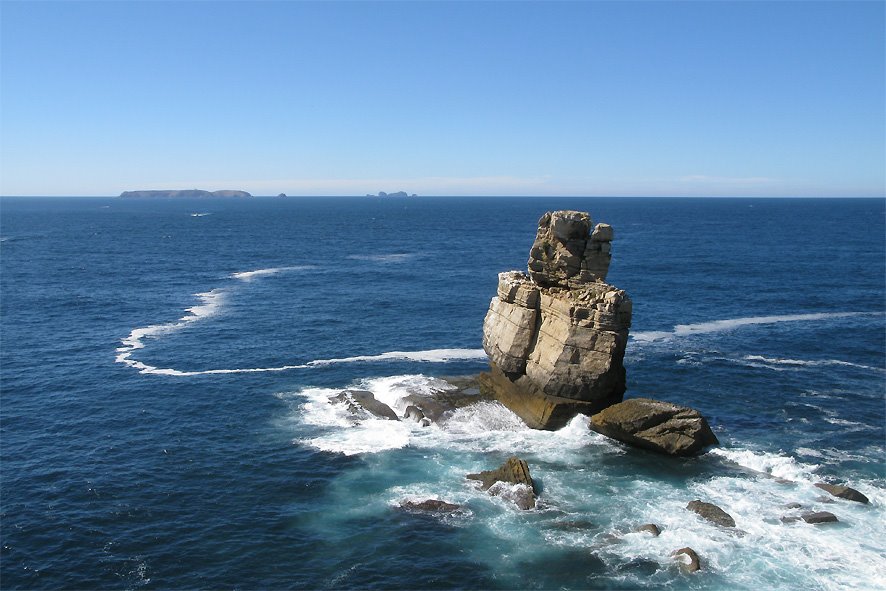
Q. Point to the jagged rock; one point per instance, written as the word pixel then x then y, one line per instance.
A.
pixel 363 400
pixel 430 505
pixel 658 426
pixel 712 513
pixel 565 252
pixel 557 336
pixel 513 471
pixel 650 528
pixel 819 517
pixel 843 492
pixel 447 395
pixel 691 563
pixel 793 506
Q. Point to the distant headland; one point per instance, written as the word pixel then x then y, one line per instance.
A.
pixel 185 194
pixel 397 194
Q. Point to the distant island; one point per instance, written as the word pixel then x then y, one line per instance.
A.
pixel 185 194
pixel 397 194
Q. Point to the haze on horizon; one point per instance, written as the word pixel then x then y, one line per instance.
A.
pixel 653 98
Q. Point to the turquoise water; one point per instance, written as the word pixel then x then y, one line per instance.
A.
pixel 166 368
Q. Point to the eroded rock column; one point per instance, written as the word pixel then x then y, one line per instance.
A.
pixel 556 337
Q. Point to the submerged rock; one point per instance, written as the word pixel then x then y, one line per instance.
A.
pixel 712 513
pixel 513 471
pixel 688 559
pixel 363 400
pixel 843 492
pixel 819 517
pixel 556 337
pixel 658 426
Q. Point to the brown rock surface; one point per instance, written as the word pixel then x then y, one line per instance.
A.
pixel 712 513
pixel 843 492
pixel 658 426
pixel 691 562
pixel 513 471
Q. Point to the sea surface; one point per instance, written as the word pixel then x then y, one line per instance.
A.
pixel 166 367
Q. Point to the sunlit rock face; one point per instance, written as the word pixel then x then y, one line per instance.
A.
pixel 556 337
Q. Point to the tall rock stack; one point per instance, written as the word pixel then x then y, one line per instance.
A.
pixel 556 337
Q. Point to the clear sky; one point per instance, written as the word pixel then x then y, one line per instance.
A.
pixel 699 98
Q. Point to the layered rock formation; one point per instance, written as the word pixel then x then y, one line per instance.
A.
pixel 556 337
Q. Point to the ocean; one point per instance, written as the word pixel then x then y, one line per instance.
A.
pixel 166 366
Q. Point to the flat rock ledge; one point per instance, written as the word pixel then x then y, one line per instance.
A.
pixel 658 426
pixel 513 471
pixel 556 336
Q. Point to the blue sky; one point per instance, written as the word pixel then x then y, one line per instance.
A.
pixel 711 98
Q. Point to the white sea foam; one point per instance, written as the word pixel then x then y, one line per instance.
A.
pixel 713 326
pixel 200 214
pixel 429 356
pixel 381 258
pixel 808 362
pixel 580 480
pixel 250 275
pixel 771 464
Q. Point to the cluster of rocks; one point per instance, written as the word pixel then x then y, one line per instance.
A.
pixel 425 408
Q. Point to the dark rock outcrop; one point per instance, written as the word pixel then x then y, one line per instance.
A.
pixel 843 492
pixel 712 513
pixel 513 471
pixel 185 194
pixel 688 560
pixel 359 401
pixel 430 506
pixel 556 337
pixel 658 426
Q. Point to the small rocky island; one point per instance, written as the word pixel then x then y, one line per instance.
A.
pixel 556 341
pixel 185 194
pixel 397 194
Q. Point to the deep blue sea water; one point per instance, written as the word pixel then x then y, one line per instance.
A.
pixel 165 366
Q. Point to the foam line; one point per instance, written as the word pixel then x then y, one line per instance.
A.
pixel 808 362
pixel 429 356
pixel 250 275
pixel 682 330
pixel 210 303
